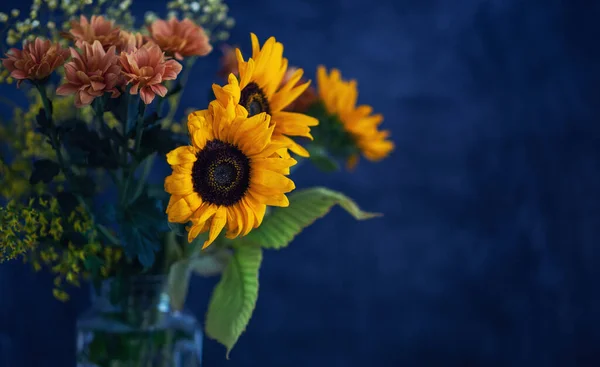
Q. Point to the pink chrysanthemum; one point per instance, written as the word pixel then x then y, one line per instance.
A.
pixel 180 38
pixel 91 73
pixel 146 68
pixel 36 61
pixel 97 28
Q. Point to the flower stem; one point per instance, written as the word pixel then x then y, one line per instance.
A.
pixel 174 100
pixel 139 131
pixel 56 145
pixel 45 101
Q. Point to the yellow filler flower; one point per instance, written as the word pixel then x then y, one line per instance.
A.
pixel 259 90
pixel 228 176
pixel 339 97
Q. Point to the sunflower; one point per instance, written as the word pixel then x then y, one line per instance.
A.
pixel 228 176
pixel 260 89
pixel 339 100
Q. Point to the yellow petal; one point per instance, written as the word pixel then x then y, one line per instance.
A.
pixel 258 208
pixel 181 155
pixel 235 221
pixel 257 136
pixel 178 211
pixel 216 226
pixel 283 98
pixel 204 212
pixel 255 45
pixel 185 169
pixel 246 69
pixel 290 144
pixel 279 165
pixel 196 229
pixel 179 184
pixel 194 201
pixel 294 124
pixel 277 200
pixel 271 180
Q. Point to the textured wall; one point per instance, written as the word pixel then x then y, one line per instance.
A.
pixel 487 255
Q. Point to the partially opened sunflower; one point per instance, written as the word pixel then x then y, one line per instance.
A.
pixel 228 176
pixel 259 90
pixel 339 98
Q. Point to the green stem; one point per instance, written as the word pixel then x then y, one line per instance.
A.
pixel 174 100
pixel 53 135
pixel 139 131
pixel 45 101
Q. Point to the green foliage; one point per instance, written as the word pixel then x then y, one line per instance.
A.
pixel 306 206
pixel 321 159
pixel 160 140
pixel 141 223
pixel 234 298
pixel 44 171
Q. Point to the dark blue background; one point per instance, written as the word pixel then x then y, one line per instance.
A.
pixel 488 251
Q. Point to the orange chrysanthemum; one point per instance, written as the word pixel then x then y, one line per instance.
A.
pixel 97 29
pixel 36 61
pixel 180 38
pixel 91 73
pixel 129 42
pixel 146 68
pixel 229 63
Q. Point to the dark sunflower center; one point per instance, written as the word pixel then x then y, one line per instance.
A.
pixel 254 99
pixel 221 173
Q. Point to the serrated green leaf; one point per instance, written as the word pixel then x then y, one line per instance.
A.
pixel 234 298
pixel 306 206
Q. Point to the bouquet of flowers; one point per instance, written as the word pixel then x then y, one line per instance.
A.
pixel 76 195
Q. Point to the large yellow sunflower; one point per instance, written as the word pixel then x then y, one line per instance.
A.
pixel 259 89
pixel 228 176
pixel 339 98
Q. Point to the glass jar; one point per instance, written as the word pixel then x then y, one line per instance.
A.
pixel 131 324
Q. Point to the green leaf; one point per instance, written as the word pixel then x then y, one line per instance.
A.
pixel 146 166
pixel 44 170
pixel 160 140
pixel 141 225
pixel 306 206
pixel 178 282
pixel 181 270
pixel 234 298
pixel 210 264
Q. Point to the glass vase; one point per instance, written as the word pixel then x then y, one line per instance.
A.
pixel 131 324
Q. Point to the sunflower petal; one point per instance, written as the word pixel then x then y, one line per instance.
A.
pixel 255 135
pixel 216 226
pixel 279 165
pixel 272 181
pixel 204 212
pixel 178 210
pixel 179 184
pixel 181 155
